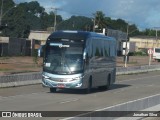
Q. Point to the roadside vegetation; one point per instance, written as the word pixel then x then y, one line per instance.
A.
pixel 20 19
pixel 140 53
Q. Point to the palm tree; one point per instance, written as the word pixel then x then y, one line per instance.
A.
pixel 100 21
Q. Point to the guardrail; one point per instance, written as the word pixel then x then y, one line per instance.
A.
pixel 20 79
pixel 35 78
pixel 137 69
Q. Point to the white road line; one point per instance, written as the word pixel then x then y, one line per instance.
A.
pixel 15 96
pixel 127 102
pixel 109 107
pixel 71 100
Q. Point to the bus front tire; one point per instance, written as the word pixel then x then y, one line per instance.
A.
pixel 52 90
pixel 108 82
pixel 89 87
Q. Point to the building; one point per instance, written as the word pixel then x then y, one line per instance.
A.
pixel 4 39
pixel 120 37
pixel 145 42
pixel 41 36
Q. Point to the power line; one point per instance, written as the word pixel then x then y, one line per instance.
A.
pixel 73 13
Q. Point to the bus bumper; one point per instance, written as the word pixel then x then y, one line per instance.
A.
pixel 76 84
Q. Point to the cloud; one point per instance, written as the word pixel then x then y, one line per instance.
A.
pixel 143 13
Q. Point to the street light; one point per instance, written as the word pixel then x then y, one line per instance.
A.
pixel 3 14
pixel 55 17
pixel 126 48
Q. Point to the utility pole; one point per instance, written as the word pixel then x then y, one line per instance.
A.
pixel 55 17
pixel 156 29
pixel 1 13
pixel 94 23
pixel 126 50
pixel 1 25
pixel 1 16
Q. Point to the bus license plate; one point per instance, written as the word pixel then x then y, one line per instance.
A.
pixel 60 85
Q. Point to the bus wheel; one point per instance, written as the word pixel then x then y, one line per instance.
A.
pixel 108 82
pixel 52 90
pixel 88 90
pixel 105 87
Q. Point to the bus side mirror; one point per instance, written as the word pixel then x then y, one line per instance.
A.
pixel 84 55
pixel 41 51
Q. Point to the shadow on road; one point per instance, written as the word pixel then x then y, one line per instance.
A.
pixel 118 86
pixel 94 90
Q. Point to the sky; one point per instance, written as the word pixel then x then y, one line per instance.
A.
pixel 143 13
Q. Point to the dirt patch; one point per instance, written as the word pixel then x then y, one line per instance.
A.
pixel 135 61
pixel 13 65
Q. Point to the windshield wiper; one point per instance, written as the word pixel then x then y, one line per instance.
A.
pixel 67 66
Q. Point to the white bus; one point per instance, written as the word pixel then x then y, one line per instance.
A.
pixel 156 53
pixel 79 60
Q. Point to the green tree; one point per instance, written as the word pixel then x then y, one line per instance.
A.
pixel 133 30
pixel 22 19
pixel 25 17
pixel 47 20
pixel 76 23
pixel 6 6
pixel 100 20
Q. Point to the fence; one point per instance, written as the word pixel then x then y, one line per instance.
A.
pixel 137 69
pixel 16 47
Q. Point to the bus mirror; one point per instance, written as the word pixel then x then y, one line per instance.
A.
pixel 84 54
pixel 41 50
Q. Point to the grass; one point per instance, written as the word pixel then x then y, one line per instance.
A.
pixel 4 58
pixel 133 62
pixel 4 70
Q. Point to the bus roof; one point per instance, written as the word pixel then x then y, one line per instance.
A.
pixel 77 34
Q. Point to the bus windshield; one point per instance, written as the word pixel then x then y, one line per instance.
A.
pixel 64 58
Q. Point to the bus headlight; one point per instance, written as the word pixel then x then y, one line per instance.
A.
pixel 45 77
pixel 77 78
pixel 79 85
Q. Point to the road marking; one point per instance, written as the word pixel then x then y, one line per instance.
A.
pixel 15 96
pixel 1 97
pixel 134 87
pixel 71 100
pixel 127 102
pixel 137 78
pixel 110 107
pixel 124 89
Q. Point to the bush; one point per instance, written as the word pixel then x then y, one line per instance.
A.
pixel 131 54
pixel 35 57
pixel 140 53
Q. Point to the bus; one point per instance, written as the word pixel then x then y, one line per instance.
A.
pixel 156 54
pixel 79 60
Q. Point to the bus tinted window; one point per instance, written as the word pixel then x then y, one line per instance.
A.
pixel 64 58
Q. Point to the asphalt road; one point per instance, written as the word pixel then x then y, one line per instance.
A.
pixel 37 98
